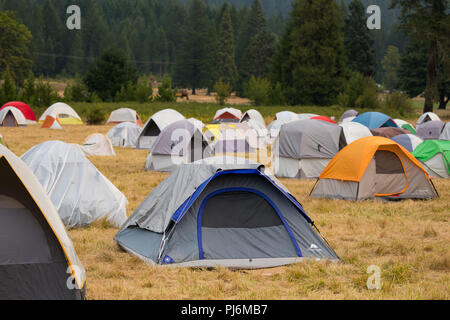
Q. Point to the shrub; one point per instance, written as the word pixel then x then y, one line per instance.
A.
pixel 77 92
pixel 95 115
pixel 44 94
pixel 257 90
pixel 126 93
pixel 144 93
pixel 165 91
pixel 276 95
pixel 398 101
pixel 369 97
pixel 223 91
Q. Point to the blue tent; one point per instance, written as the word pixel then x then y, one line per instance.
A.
pixel 375 120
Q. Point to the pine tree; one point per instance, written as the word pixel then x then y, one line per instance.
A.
pixel 227 71
pixel 8 90
pixel 358 41
pixel 212 48
pixel 311 58
pixel 191 69
pixel 391 65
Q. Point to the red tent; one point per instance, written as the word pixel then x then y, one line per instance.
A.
pixel 23 107
pixel 323 118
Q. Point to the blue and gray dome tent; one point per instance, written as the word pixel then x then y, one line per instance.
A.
pixel 207 214
pixel 375 120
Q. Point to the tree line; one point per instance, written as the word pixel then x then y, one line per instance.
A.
pixel 311 56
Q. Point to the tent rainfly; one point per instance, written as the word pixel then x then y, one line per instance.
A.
pixel 24 108
pixel 254 115
pixel 348 114
pixel 430 130
pixel 124 115
pixel 445 135
pixel 51 123
pixel 428 116
pixel 354 131
pixel 388 132
pixel 35 249
pixel 435 157
pixel 375 120
pixel 63 112
pixel 179 143
pixel 80 193
pixel 209 214
pixel 228 115
pixel 287 116
pixel 408 141
pixel 97 144
pixel 124 135
pixel 153 127
pixel 304 148
pixel 12 117
pixel 374 167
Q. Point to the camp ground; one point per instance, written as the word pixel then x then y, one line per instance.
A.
pixel 36 250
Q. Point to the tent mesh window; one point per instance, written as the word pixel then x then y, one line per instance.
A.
pixel 388 163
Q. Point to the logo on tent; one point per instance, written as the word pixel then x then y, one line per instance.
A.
pixel 314 248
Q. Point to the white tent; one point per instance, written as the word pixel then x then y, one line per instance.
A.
pixel 428 116
pixel 12 117
pixel 124 135
pixel 254 115
pixel 153 127
pixel 302 116
pixel 64 113
pixel 36 246
pixel 124 115
pixel 445 135
pixel 97 144
pixel 287 116
pixel 80 193
pixel 354 131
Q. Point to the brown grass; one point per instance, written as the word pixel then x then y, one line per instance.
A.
pixel 408 240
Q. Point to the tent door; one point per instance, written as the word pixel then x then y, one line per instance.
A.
pixel 390 176
pixel 10 120
pixel 241 223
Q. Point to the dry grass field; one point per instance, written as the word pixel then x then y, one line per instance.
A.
pixel 408 240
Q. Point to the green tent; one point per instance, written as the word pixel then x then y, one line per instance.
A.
pixel 409 127
pixel 435 156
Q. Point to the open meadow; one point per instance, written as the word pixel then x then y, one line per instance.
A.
pixel 408 240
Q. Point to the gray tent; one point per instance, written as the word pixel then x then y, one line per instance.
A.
pixel 430 130
pixel 349 114
pixel 304 148
pixel 206 214
pixel 180 142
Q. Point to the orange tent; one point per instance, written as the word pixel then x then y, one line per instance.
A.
pixel 374 167
pixel 51 123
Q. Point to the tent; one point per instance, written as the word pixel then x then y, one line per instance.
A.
pixel 35 250
pixel 233 143
pixel 80 193
pixel 349 114
pixel 374 120
pixel 302 116
pixel 354 131
pixel 153 127
pixel 374 167
pixel 179 143
pixel 12 117
pixel 435 157
pixel 97 144
pixel 405 125
pixel 24 108
pixel 287 116
pixel 124 135
pixel 428 116
pixel 254 132
pixel 323 118
pixel 430 130
pixel 408 141
pixel 445 135
pixel 304 148
pixel 64 113
pixel 388 132
pixel 254 115
pixel 228 115
pixel 51 123
pixel 124 115
pixel 209 214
